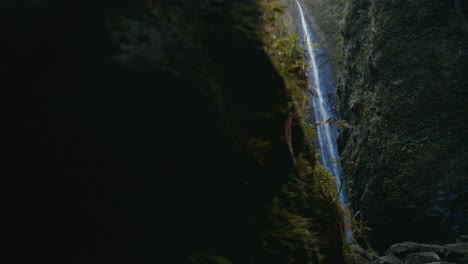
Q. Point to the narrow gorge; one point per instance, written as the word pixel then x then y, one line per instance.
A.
pixel 235 131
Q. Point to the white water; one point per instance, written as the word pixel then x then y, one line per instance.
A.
pixel 322 85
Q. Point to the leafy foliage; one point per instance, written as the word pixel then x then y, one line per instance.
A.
pixel 288 238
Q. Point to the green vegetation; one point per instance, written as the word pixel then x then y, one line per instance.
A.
pixel 288 238
pixel 309 199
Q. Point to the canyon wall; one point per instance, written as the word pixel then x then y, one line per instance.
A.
pixel 403 89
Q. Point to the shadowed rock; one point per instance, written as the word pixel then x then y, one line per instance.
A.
pixel 388 260
pixel 401 250
pixel 422 258
pixel 414 253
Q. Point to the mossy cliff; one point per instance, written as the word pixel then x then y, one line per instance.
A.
pixel 403 89
pixel 159 132
pixel 401 69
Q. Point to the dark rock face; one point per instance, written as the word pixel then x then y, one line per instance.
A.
pixel 403 90
pixel 152 136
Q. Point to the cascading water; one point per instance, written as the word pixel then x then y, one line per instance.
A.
pixel 321 82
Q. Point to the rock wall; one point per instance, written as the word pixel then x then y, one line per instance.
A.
pixel 155 132
pixel 403 90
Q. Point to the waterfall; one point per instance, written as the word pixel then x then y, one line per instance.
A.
pixel 321 82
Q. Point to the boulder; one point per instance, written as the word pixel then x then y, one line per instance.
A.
pixel 422 258
pixel 462 239
pixel 401 250
pixel 388 260
pixel 456 251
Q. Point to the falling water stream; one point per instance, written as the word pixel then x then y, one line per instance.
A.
pixel 321 83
